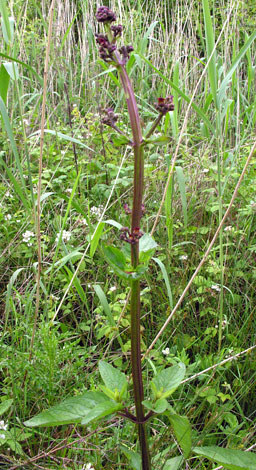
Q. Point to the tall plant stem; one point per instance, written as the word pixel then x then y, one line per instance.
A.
pixel 135 285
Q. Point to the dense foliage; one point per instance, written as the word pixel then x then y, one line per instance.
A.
pixel 87 178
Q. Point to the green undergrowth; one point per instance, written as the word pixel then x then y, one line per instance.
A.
pixel 83 318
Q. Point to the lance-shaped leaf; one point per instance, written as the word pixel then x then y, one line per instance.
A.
pixel 100 411
pixel 70 411
pixel 182 430
pixel 174 463
pixel 230 458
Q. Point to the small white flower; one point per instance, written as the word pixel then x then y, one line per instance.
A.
pixel 2 436
pixel 3 426
pixel 216 287
pixel 66 235
pixel 8 217
pixel 96 211
pixel 206 170
pixel 166 351
pixel 88 467
pixel 84 222
pixel 112 289
pixel 183 257
pixel 228 228
pixel 69 190
pixel 27 236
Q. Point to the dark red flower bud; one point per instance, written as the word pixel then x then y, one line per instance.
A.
pixel 105 15
pixel 117 30
pixel 164 105
pixel 127 209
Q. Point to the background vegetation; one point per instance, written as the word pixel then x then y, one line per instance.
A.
pixel 85 178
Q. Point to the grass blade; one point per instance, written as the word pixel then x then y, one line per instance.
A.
pixel 166 280
pixel 210 45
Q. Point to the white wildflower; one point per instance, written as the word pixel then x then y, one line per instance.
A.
pixel 84 222
pixel 206 170
pixel 27 237
pixel 228 228
pixel 183 257
pixel 166 351
pixel 8 217
pixel 69 190
pixel 2 436
pixel 3 426
pixel 112 289
pixel 216 287
pixel 66 235
pixel 96 211
pixel 88 466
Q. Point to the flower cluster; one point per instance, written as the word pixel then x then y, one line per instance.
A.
pixel 27 237
pixel 117 30
pixel 4 428
pixel 125 52
pixel 164 105
pixel 107 44
pixel 131 237
pixel 96 211
pixel 65 236
pixel 110 117
pixel 105 15
pixel 106 48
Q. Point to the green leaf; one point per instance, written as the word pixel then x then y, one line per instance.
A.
pixel 162 140
pixel 119 140
pixel 28 67
pixel 12 69
pixel 229 458
pixel 104 303
pixel 112 377
pixel 15 152
pixel 4 83
pixel 114 223
pixel 95 239
pixel 158 407
pixel 70 411
pixel 174 463
pixel 147 243
pixel 100 411
pixel 7 23
pixel 168 380
pixel 166 280
pixel 221 91
pixel 115 257
pixel 147 248
pixel 210 44
pixel 4 406
pixel 134 458
pixel 182 430
pixel 62 137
